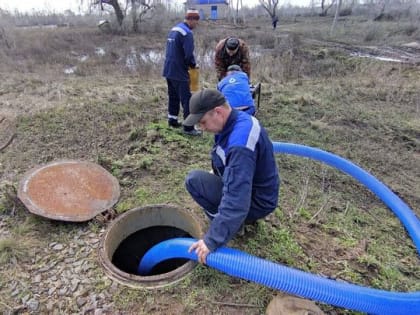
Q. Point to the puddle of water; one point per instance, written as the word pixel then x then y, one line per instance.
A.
pixel 83 58
pixel 99 51
pixel 361 55
pixel 131 61
pixel 152 56
pixel 38 26
pixel 205 60
pixel 134 58
pixel 70 70
pixel 156 57
pixel 102 22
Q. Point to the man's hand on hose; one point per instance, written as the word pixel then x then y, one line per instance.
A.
pixel 201 250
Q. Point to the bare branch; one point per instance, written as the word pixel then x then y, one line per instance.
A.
pixel 270 6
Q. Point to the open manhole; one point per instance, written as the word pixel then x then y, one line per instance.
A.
pixel 133 233
pixel 69 190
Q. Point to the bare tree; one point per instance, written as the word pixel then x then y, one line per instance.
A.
pixel 383 6
pixel 117 8
pixel 270 6
pixel 234 8
pixel 138 9
pixel 325 7
pixel 337 10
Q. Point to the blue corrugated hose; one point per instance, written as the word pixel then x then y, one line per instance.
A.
pixel 400 209
pixel 350 296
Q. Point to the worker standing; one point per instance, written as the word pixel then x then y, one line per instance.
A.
pixel 179 58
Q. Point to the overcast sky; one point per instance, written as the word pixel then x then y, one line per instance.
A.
pixel 39 5
pixel 74 5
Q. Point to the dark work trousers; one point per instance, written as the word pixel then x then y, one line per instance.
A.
pixel 274 25
pixel 206 190
pixel 178 92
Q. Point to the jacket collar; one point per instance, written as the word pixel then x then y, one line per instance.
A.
pixel 228 125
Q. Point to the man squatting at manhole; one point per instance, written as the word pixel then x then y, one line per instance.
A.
pixel 244 185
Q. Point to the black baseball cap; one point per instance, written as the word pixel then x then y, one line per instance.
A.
pixel 232 43
pixel 234 68
pixel 201 102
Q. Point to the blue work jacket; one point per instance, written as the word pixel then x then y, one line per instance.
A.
pixel 235 88
pixel 179 53
pixel 243 156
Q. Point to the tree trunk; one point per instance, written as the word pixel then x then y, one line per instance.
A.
pixel 270 6
pixel 325 9
pixel 134 16
pixel 337 10
pixel 118 12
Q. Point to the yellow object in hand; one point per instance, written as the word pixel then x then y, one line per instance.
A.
pixel 194 79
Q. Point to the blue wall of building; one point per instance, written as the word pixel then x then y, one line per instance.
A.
pixel 210 1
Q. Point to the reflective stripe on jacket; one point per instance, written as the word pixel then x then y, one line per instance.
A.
pixel 243 156
pixel 179 53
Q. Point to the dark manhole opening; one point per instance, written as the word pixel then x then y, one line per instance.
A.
pixel 136 231
pixel 128 254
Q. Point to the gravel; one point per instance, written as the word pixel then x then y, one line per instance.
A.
pixel 64 277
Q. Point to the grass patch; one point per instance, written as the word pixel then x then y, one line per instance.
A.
pixel 11 250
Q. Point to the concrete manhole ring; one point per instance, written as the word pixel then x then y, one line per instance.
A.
pixel 161 222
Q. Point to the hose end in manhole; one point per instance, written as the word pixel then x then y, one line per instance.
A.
pixel 134 232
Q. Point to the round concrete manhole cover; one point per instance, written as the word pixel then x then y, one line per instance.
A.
pixel 69 190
